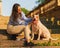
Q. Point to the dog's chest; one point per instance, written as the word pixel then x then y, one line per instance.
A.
pixel 35 27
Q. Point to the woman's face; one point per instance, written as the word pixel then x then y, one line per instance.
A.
pixel 19 9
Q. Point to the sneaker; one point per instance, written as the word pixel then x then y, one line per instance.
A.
pixel 19 39
pixel 28 44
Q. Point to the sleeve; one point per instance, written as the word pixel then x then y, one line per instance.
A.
pixel 10 21
pixel 25 18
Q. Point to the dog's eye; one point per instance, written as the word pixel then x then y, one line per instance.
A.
pixel 36 17
pixel 33 19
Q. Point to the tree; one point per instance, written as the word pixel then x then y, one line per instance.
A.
pixel 40 1
pixel 25 10
pixel 0 1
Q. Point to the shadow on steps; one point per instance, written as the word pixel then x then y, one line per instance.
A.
pixel 5 35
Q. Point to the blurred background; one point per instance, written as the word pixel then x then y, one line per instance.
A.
pixel 48 10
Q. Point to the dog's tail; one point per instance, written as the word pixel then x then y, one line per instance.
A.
pixel 53 38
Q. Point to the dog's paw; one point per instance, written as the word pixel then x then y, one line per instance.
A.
pixel 31 39
pixel 38 39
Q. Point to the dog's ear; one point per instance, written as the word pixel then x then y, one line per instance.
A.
pixel 37 16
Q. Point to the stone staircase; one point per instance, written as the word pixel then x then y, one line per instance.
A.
pixel 4 42
pixel 11 43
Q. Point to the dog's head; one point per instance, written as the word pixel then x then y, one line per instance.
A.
pixel 36 17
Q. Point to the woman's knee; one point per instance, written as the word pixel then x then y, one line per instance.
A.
pixel 14 29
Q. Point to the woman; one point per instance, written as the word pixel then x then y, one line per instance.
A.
pixel 18 22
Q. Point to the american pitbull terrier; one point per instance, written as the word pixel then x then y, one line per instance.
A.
pixel 41 30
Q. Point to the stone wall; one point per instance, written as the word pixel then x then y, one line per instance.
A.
pixel 0 8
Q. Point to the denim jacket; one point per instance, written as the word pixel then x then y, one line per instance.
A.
pixel 20 21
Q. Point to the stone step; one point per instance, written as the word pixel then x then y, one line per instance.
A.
pixel 45 41
pixel 14 43
pixel 11 43
pixel 5 37
pixel 35 47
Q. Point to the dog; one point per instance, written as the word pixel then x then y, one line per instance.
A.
pixel 41 30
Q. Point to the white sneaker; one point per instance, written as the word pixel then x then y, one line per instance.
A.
pixel 20 39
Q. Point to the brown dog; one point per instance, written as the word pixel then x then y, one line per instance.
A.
pixel 38 27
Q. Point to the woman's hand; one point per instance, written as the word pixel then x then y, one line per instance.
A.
pixel 34 21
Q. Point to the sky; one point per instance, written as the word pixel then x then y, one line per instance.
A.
pixel 7 5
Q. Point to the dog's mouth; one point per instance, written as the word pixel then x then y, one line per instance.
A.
pixel 34 19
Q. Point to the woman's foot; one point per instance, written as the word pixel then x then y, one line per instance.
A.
pixel 19 39
pixel 28 43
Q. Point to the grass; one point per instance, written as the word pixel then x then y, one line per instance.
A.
pixel 47 44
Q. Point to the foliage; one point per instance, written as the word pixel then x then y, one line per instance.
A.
pixel 0 1
pixel 40 1
pixel 25 10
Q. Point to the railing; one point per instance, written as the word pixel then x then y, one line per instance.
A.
pixel 58 1
pixel 52 4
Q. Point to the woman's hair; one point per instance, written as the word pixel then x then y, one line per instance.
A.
pixel 15 14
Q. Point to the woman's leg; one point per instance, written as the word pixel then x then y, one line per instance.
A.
pixel 27 33
pixel 15 29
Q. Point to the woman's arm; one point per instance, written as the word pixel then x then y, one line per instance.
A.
pixel 11 22
pixel 25 18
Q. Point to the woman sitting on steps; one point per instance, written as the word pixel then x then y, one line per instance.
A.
pixel 19 22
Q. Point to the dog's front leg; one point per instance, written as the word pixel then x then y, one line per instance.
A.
pixel 32 36
pixel 39 35
pixel 32 33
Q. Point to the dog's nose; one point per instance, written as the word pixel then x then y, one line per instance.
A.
pixel 33 19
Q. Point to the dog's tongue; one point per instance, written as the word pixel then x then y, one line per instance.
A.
pixel 33 19
pixel 34 22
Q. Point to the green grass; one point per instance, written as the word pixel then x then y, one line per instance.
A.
pixel 47 44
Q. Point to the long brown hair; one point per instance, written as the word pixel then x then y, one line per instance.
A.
pixel 15 14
